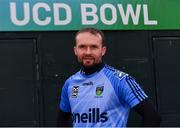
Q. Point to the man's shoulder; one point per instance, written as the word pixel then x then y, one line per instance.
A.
pixel 115 73
pixel 73 77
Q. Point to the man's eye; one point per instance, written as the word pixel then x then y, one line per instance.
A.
pixel 81 46
pixel 94 46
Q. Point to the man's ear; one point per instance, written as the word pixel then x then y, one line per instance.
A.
pixel 75 50
pixel 104 50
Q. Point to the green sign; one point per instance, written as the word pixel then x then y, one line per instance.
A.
pixel 52 15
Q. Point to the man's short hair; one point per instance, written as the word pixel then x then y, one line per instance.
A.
pixel 93 31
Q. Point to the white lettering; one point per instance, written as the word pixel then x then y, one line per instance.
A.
pixel 36 18
pixel 43 14
pixel 129 11
pixel 13 14
pixel 68 18
pixel 85 14
pixel 146 17
pixel 103 15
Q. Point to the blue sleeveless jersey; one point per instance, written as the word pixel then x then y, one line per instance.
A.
pixel 102 99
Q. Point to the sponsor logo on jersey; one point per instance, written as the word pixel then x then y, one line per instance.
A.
pixel 88 83
pixel 75 91
pixel 99 90
pixel 92 116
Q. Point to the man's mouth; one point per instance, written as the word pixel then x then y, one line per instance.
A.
pixel 88 58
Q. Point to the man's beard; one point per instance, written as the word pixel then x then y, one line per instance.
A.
pixel 89 69
pixel 85 64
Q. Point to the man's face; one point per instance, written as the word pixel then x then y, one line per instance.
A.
pixel 89 49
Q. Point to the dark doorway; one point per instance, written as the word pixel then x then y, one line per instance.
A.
pixel 18 83
pixel 167 67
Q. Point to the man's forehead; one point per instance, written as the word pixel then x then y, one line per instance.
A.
pixel 88 33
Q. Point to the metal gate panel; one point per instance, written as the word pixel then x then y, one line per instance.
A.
pixel 167 67
pixel 18 92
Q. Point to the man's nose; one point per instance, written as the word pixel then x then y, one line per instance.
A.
pixel 88 50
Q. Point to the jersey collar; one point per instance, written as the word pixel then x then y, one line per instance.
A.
pixel 91 70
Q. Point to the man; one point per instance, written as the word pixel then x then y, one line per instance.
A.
pixel 99 95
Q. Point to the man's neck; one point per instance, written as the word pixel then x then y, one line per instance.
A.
pixel 93 69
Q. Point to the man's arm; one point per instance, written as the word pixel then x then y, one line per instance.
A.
pixel 64 119
pixel 148 113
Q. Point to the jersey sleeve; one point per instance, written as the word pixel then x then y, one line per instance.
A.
pixel 64 102
pixel 132 92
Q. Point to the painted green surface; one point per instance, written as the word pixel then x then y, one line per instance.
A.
pixel 41 15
